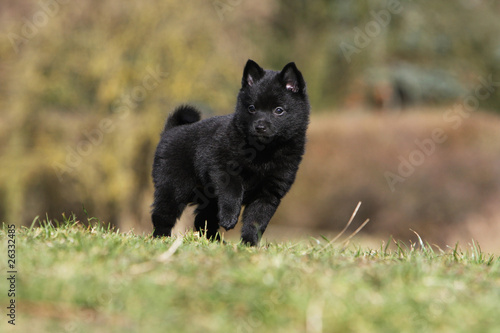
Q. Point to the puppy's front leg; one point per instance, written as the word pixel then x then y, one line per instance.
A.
pixel 256 217
pixel 229 197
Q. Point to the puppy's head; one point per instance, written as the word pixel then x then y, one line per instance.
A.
pixel 272 105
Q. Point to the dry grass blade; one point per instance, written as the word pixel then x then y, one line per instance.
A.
pixel 419 239
pixel 164 257
pixel 345 228
pixel 355 232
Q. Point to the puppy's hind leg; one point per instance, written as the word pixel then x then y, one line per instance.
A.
pixel 166 211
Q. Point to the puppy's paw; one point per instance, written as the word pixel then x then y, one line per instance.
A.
pixel 250 234
pixel 250 238
pixel 158 232
pixel 228 223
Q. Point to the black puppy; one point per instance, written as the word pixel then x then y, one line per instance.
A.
pixel 247 158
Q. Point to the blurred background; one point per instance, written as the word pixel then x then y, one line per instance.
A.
pixel 404 95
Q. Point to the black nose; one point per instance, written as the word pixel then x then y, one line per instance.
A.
pixel 260 126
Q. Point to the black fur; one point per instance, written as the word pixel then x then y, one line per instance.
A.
pixel 248 158
pixel 183 115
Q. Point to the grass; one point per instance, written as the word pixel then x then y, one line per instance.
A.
pixel 75 278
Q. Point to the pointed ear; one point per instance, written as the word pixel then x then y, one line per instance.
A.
pixel 292 78
pixel 251 74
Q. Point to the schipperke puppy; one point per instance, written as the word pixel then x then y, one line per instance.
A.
pixel 248 158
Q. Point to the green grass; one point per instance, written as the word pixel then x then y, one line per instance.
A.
pixel 73 278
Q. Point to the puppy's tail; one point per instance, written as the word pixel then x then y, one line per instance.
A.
pixel 182 115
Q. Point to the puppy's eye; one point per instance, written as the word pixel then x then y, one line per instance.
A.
pixel 251 108
pixel 279 111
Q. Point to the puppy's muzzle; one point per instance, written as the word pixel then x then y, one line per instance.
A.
pixel 261 126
